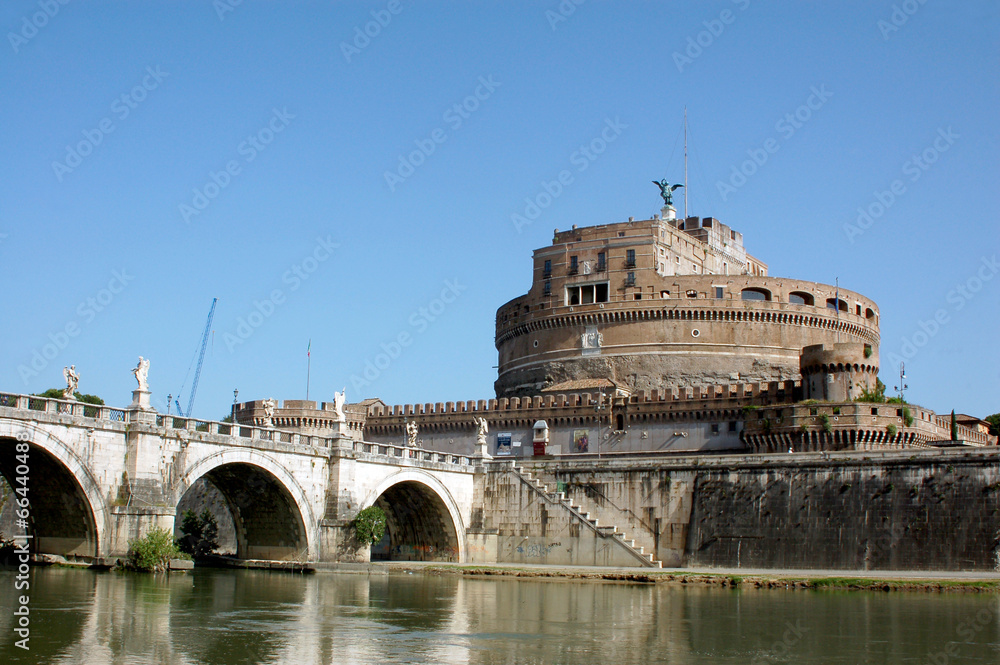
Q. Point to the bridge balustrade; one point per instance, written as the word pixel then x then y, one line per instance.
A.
pixel 246 432
pixel 405 452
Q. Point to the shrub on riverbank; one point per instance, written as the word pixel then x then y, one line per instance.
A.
pixel 369 525
pixel 152 553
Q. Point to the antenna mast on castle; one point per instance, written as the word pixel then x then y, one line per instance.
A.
pixel 685 162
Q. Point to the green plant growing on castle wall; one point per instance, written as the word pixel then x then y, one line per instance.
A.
pixel 824 421
pixel 907 417
pixel 836 410
pixel 369 525
pixel 891 431
pixel 868 351
pixel 876 396
pixel 152 553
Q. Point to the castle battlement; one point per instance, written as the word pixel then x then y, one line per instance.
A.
pixel 777 390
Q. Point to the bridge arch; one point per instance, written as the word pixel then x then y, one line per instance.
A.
pixel 271 512
pixel 423 520
pixel 69 514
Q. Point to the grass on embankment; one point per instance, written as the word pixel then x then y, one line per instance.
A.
pixel 775 581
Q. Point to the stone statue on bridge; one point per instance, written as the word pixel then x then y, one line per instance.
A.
pixel 411 433
pixel 72 381
pixel 339 399
pixel 269 405
pixel 482 429
pixel 141 372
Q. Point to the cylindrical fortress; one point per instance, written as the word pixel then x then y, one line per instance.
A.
pixel 656 303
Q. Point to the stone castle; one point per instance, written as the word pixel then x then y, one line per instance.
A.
pixel 661 335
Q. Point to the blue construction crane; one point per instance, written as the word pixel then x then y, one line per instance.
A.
pixel 197 371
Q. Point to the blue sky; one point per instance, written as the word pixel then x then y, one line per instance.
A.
pixel 159 155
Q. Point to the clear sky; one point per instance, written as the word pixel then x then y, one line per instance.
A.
pixel 348 188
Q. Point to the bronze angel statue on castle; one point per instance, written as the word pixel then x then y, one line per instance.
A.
pixel 666 191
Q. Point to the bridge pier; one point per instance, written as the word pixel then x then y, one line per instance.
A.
pixel 342 505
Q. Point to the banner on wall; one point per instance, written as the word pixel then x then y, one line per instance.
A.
pixel 581 440
pixel 503 443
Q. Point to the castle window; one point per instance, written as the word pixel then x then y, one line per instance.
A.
pixel 833 303
pixel 755 294
pixel 732 425
pixel 547 271
pixel 630 279
pixel 638 296
pixel 715 429
pixel 664 294
pixel 586 294
pixel 601 262
pixel 691 293
pixel 857 309
pixel 547 291
pixel 869 313
pixel 574 267
pixel 800 298
pixel 630 258
pixel 874 411
pixel 720 292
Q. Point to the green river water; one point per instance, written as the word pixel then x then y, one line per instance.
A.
pixel 229 616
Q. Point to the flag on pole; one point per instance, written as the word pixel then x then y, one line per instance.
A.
pixel 309 349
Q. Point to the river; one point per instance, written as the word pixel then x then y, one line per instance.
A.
pixel 229 616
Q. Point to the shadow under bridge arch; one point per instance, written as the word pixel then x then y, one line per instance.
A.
pixel 423 522
pixel 269 511
pixel 66 513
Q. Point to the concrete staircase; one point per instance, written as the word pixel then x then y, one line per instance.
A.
pixel 609 531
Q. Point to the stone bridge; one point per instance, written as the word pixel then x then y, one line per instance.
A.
pixel 99 476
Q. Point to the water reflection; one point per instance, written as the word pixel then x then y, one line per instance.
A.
pixel 259 617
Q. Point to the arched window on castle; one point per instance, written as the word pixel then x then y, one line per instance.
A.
pixel 801 298
pixel 755 294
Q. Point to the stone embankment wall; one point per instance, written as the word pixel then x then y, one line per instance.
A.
pixel 911 510
pixel 514 521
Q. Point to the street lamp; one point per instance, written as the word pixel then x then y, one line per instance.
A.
pixel 902 386
pixel 236 394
